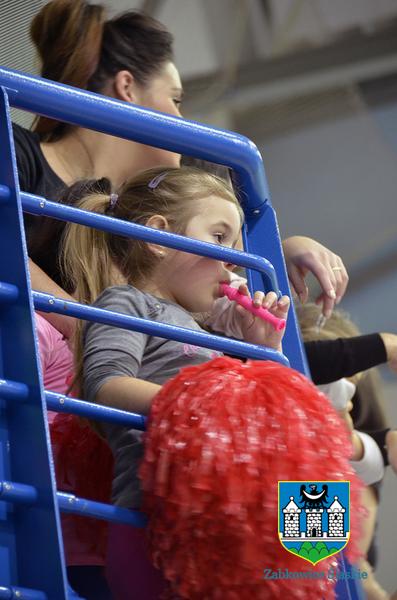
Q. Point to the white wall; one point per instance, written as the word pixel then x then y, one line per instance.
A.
pixel 337 182
pixel 16 50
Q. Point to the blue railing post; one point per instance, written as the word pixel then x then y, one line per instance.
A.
pixel 31 555
pixel 262 237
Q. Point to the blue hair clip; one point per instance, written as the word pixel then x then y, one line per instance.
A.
pixel 156 180
pixel 113 200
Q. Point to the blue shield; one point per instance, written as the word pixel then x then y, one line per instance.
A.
pixel 314 518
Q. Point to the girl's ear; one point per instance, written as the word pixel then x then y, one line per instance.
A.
pixel 125 87
pixel 158 222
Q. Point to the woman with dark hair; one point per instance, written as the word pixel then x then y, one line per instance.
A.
pixel 129 58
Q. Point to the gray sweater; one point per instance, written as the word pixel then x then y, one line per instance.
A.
pixel 112 352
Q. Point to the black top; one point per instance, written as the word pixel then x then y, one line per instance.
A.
pixel 36 177
pixel 330 360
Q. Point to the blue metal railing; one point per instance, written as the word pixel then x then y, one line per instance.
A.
pixel 31 551
pixel 157 129
pixel 47 303
pixel 149 127
pixel 42 207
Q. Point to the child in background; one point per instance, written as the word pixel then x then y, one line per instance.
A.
pixel 74 443
pixel 125 369
pixel 368 413
pixel 367 459
pixel 56 358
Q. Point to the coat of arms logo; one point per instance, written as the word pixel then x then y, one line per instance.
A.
pixel 314 518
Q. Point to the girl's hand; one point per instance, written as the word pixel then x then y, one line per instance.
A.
pixel 304 255
pixel 256 330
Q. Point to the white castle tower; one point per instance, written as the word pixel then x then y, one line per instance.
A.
pixel 291 519
pixel 313 522
pixel 335 519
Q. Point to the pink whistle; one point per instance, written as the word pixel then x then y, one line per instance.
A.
pixel 246 302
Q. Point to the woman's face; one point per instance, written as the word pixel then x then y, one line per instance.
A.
pixel 164 93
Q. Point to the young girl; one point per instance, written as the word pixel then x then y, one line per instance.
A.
pixel 125 369
pixel 74 444
pixel 367 459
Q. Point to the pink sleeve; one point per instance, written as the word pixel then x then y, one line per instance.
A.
pixel 224 317
pixel 45 336
pixel 56 359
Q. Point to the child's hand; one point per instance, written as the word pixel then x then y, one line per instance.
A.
pixel 256 330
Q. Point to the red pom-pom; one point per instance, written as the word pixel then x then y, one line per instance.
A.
pixel 84 467
pixel 220 437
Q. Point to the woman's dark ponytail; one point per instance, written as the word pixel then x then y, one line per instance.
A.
pixel 68 37
pixel 79 47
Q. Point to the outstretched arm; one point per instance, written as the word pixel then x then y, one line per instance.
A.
pixel 128 393
pixel 390 342
pixel 330 360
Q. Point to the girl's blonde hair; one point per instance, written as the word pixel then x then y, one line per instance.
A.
pixel 92 260
pixel 339 324
pixel 89 257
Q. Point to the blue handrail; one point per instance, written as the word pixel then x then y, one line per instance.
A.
pixel 40 206
pixel 93 111
pixel 150 127
pixel 48 303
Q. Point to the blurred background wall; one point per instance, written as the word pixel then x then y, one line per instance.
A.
pixel 314 84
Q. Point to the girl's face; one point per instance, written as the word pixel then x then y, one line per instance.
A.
pixel 193 281
pixel 163 93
